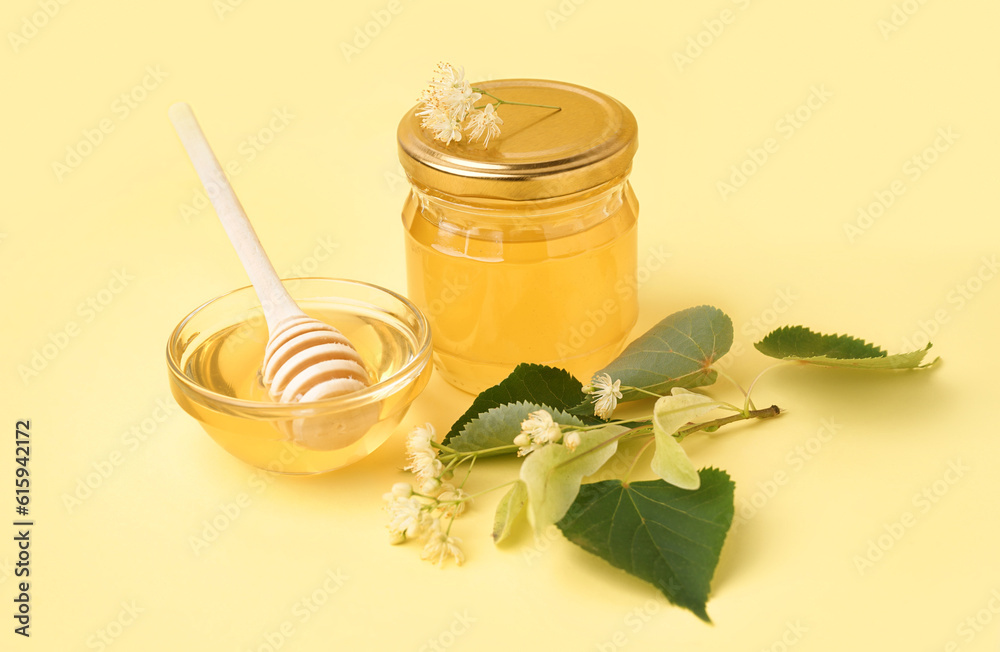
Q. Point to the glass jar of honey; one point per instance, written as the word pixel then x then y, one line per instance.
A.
pixel 524 250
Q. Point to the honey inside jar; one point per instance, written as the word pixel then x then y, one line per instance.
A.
pixel 525 251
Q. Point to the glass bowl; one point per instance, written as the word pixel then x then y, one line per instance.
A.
pixel 214 357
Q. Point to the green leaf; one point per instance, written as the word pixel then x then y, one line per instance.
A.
pixel 670 462
pixel 533 383
pixel 509 508
pixel 498 426
pixel 553 473
pixel 800 343
pixel 677 352
pixel 667 536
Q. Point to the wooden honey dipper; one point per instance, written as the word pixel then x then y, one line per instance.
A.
pixel 305 359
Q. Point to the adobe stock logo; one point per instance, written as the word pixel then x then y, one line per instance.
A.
pixel 301 612
pixel 108 635
pixel 960 295
pixel 786 126
pixel 901 14
pixel 634 622
pixel 625 288
pixel 974 624
pixel 31 25
pixel 459 625
pixel 713 29
pixel 894 531
pixel 248 149
pixel 91 138
pixel 88 309
pixel 562 12
pixel 132 439
pixel 915 167
pixel 225 7
pixel 747 507
pixel 370 30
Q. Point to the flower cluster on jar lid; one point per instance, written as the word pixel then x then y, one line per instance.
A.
pixel 448 108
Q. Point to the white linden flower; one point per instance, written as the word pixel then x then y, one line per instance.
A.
pixel 572 440
pixel 423 457
pixel 541 428
pixel 447 79
pixel 431 485
pixel 449 132
pixel 484 122
pixel 607 393
pixel 460 101
pixel 538 429
pixel 431 114
pixel 407 518
pixel 452 501
pixel 421 437
pixel 448 75
pixel 440 546
pixel 443 126
pixel 446 103
pixel 451 92
pixel 399 490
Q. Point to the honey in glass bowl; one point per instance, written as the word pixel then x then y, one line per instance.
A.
pixel 214 358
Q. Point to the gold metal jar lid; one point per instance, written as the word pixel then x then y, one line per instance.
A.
pixel 539 153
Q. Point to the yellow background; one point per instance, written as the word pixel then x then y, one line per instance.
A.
pixel 775 251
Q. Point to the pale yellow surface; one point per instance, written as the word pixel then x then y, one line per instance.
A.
pixel 325 195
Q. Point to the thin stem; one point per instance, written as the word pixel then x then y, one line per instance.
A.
pixel 765 413
pixel 598 426
pixel 641 390
pixel 471 464
pixel 721 403
pixel 746 405
pixel 452 464
pixel 500 101
pixel 540 106
pixel 754 383
pixel 730 406
pixel 485 452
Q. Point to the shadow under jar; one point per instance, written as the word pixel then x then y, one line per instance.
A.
pixel 524 250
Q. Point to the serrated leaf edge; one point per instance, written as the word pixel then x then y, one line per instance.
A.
pixel 784 329
pixel 728 480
